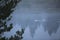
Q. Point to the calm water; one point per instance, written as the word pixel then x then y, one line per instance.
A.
pixel 41 20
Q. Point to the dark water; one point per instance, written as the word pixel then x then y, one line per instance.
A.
pixel 41 20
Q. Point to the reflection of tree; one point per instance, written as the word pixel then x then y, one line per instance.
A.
pixel 6 7
pixel 51 27
pixel 33 26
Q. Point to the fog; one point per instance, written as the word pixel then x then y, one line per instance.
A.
pixel 39 18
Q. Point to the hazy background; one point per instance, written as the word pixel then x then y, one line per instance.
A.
pixel 40 18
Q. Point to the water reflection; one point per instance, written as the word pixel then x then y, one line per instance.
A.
pixel 50 22
pixel 33 14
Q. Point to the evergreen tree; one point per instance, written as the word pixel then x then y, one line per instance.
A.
pixel 6 7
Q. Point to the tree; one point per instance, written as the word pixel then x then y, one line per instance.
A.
pixel 17 36
pixel 6 7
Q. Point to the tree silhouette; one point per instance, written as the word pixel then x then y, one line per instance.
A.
pixel 6 7
pixel 17 36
